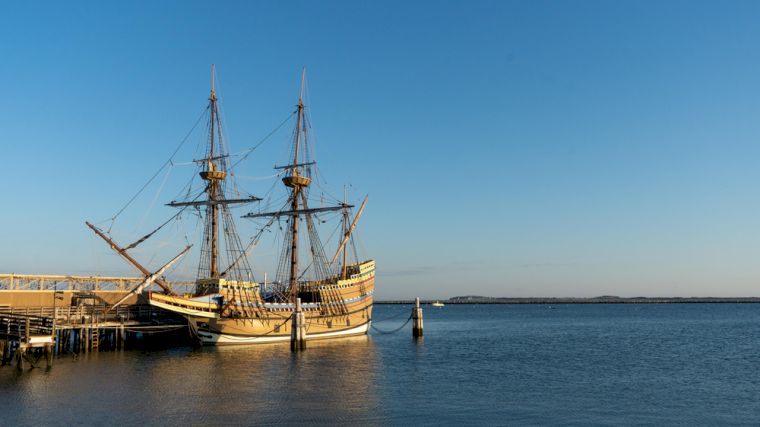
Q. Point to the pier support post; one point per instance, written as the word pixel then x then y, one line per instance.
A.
pixel 417 319
pixel 298 333
pixel 49 355
pixel 20 358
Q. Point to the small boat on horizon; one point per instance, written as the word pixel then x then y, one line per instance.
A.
pixel 437 304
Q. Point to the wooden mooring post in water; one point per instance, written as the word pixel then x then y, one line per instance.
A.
pixel 298 333
pixel 417 319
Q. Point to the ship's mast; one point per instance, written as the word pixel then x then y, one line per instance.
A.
pixel 345 232
pixel 298 178
pixel 214 178
pixel 213 171
pixel 297 183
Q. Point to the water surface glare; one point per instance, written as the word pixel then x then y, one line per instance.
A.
pixel 477 364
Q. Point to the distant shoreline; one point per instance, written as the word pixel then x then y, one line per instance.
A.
pixel 596 300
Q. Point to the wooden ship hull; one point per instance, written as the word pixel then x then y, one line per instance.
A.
pixel 236 313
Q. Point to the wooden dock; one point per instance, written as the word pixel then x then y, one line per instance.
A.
pixel 27 334
pixel 42 316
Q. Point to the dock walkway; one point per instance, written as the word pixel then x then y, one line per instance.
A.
pixel 29 333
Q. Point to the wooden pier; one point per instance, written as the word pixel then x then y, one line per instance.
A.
pixel 42 316
pixel 27 334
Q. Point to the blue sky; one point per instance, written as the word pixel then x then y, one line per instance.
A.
pixel 509 148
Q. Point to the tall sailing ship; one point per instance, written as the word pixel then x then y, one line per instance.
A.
pixel 228 305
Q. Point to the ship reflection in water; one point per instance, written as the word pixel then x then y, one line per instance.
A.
pixel 240 385
pixel 332 380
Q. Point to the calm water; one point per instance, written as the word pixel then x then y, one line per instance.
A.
pixel 573 364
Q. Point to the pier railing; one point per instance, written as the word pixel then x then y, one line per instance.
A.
pixel 23 326
pixel 51 282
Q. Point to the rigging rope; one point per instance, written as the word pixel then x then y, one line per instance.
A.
pixel 394 330
pixel 144 329
pixel 253 242
pixel 250 150
pixel 390 318
pixel 259 178
pixel 168 162
pixel 147 236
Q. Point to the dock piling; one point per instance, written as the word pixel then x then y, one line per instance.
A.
pixel 298 333
pixel 417 319
pixel 19 358
pixel 49 355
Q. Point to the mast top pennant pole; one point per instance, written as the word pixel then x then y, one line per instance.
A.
pixel 298 125
pixel 212 82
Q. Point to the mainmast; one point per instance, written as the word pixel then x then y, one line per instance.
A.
pixel 298 178
pixel 214 178
pixel 345 232
pixel 298 183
